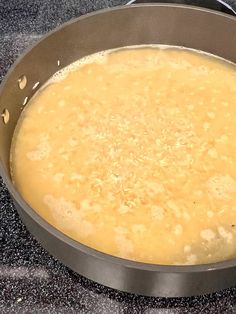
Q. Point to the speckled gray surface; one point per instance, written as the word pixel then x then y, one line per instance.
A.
pixel 31 281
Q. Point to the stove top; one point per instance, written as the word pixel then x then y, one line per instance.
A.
pixel 31 281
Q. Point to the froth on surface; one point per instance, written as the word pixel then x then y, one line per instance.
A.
pixel 101 56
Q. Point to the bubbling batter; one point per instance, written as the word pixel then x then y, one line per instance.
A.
pixel 133 152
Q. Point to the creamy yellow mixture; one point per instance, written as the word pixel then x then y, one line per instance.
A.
pixel 133 153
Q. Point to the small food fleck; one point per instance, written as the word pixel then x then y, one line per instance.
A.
pixel 178 230
pixel 208 234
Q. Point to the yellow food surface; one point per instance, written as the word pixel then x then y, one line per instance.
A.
pixel 133 153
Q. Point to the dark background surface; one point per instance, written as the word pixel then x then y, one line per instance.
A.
pixel 31 281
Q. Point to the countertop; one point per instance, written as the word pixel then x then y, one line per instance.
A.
pixel 32 281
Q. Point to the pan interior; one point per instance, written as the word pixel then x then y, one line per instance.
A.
pixel 131 153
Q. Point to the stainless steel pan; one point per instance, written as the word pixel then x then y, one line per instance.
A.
pixel 122 26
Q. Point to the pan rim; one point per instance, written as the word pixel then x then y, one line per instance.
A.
pixel 179 269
